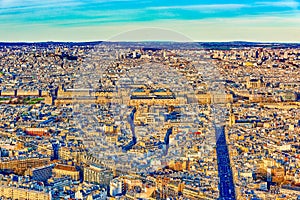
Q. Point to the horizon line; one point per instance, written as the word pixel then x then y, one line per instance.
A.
pixel 149 41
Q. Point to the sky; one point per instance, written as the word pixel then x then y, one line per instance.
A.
pixel 188 20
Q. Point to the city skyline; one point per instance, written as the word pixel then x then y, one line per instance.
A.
pixel 125 120
pixel 94 20
pixel 127 99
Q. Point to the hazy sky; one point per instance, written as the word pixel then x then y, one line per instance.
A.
pixel 205 20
